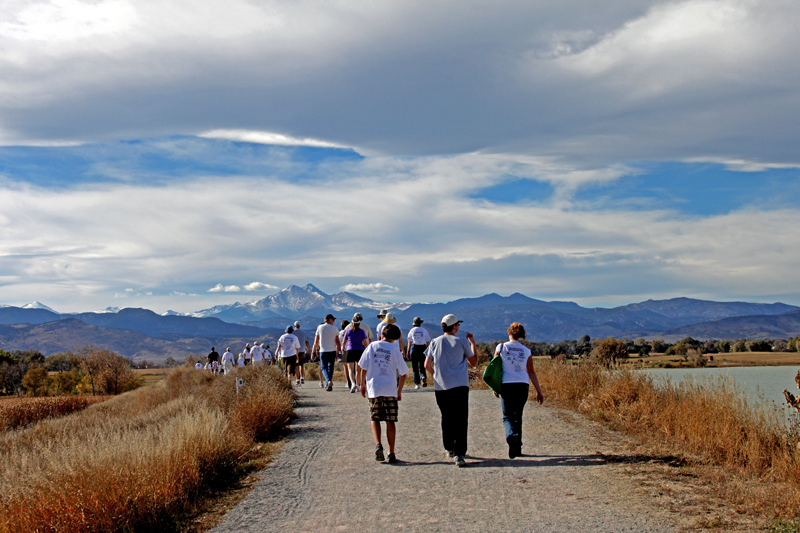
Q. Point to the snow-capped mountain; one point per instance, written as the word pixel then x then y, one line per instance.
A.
pixel 294 301
pixel 109 310
pixel 39 305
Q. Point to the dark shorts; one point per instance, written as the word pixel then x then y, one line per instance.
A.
pixel 290 363
pixel 353 356
pixel 383 409
pixel 301 358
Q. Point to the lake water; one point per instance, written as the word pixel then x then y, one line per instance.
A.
pixel 756 382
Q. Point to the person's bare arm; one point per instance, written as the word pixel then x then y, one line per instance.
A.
pixel 534 380
pixel 429 365
pixel 361 379
pixel 400 387
pixel 473 361
pixel 316 342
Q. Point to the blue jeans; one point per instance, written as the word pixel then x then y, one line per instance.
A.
pixel 454 407
pixel 326 362
pixel 513 397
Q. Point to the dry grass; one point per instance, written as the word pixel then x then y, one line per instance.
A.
pixel 139 461
pixel 20 412
pixel 710 422
pixel 726 359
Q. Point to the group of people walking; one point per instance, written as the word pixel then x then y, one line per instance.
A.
pixel 376 367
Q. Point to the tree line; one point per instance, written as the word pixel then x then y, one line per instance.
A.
pixel 86 370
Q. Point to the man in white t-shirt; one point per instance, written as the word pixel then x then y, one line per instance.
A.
pixel 256 355
pixel 287 349
pixel 305 350
pixel 378 368
pixel 326 341
pixel 418 341
pixel 269 357
pixel 228 361
pixel 388 318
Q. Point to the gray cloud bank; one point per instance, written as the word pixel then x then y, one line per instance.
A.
pixel 593 81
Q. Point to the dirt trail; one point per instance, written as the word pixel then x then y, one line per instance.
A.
pixel 326 477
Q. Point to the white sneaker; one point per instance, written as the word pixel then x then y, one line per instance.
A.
pixel 297 382
pixel 321 385
pixel 416 387
pixel 302 380
pixel 353 389
pixel 459 460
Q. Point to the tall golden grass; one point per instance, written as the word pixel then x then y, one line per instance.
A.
pixel 140 460
pixel 20 412
pixel 710 420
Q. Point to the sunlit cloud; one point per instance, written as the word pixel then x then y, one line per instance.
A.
pixel 265 137
pixel 369 288
pixel 258 286
pixel 219 287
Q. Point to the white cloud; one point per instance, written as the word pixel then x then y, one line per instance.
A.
pixel 266 137
pixel 413 224
pixel 219 287
pixel 369 287
pixel 258 286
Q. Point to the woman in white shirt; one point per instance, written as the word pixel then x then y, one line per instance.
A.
pixel 517 372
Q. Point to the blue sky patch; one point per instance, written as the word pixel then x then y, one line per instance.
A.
pixel 516 190
pixel 696 188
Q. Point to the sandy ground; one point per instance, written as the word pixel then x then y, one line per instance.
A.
pixel 574 475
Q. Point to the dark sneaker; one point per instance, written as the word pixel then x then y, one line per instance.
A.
pixel 329 387
pixel 424 382
pixel 392 458
pixel 459 460
pixel 379 453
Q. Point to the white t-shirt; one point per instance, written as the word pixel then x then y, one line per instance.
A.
pixel 240 362
pixel 268 354
pixel 383 362
pixel 256 354
pixel 327 334
pixel 419 336
pixel 246 353
pixel 381 327
pixel 227 357
pixel 199 366
pixel 515 361
pixel 288 345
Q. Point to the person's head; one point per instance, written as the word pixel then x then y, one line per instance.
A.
pixel 516 331
pixel 344 323
pixel 289 329
pixel 247 347
pixel 228 349
pixel 391 333
pixel 329 318
pixel 417 321
pixel 389 318
pixel 382 313
pixel 357 321
pixel 297 325
pixel 213 349
pixel 450 323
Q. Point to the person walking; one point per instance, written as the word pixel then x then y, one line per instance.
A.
pixel 448 358
pixel 389 319
pixel 344 324
pixel 213 360
pixel 256 355
pixel 517 372
pixel 305 349
pixel 355 341
pixel 378 368
pixel 269 357
pixel 228 361
pixel 326 341
pixel 287 349
pixel 418 341
pixel 246 354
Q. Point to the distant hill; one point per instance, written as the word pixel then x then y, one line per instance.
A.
pixel 487 317
pixel 70 333
pixel 741 327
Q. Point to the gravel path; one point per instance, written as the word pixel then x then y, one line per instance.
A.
pixel 326 477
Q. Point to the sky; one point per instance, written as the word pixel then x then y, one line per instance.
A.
pixel 183 154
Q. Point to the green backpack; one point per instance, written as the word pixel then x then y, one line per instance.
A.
pixel 493 375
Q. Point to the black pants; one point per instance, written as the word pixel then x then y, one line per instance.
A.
pixel 454 406
pixel 418 362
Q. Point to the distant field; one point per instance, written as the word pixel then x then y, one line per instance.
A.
pixel 151 375
pixel 731 359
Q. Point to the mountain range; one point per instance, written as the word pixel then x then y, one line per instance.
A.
pixel 143 334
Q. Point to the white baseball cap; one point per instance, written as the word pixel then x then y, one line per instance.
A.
pixel 451 320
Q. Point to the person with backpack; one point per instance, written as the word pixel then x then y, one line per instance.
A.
pixel 517 372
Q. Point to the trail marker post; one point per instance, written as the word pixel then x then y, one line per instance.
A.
pixel 239 383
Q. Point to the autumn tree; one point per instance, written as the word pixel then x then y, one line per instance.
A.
pixel 36 382
pixel 609 350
